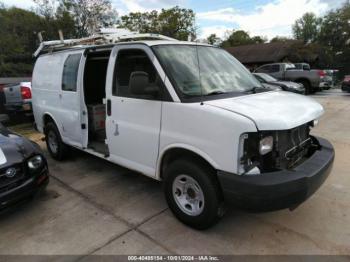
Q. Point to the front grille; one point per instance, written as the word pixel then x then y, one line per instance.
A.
pixel 292 146
pixel 8 183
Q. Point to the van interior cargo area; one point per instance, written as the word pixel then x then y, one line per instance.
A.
pixel 94 94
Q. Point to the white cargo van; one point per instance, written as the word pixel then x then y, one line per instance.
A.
pixel 185 113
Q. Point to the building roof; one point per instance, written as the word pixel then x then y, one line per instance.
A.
pixel 262 53
pixel 14 80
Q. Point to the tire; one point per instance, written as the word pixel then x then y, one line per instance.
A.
pixel 202 188
pixel 57 149
pixel 307 86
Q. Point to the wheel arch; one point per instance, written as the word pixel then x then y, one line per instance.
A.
pixel 303 80
pixel 47 117
pixel 175 151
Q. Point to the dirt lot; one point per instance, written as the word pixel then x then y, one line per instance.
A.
pixel 94 207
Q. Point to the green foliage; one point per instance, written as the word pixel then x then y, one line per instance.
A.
pixel 329 37
pixel 213 39
pixel 335 36
pixel 280 39
pixel 19 40
pixel 175 22
pixel 307 28
pixel 240 37
pixel 88 15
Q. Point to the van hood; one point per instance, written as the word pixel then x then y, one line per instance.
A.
pixel 272 110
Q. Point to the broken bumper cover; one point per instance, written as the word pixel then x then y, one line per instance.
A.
pixel 280 189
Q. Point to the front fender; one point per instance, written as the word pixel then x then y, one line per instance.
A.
pixel 188 147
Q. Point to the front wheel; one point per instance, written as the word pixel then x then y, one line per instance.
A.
pixel 193 193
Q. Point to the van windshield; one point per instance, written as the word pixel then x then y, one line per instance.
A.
pixel 204 70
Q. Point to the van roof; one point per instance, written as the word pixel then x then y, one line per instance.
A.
pixel 105 38
pixel 106 46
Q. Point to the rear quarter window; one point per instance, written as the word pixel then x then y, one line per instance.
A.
pixel 47 73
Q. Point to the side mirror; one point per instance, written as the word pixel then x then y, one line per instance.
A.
pixel 139 84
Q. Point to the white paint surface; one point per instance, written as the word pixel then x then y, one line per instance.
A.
pixel 3 159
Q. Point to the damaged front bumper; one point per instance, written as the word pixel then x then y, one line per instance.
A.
pixel 280 189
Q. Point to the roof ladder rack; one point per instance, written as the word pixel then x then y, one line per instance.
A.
pixel 105 36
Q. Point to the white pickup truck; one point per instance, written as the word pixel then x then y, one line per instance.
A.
pixel 187 114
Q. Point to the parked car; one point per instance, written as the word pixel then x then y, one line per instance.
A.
pixel 187 114
pixel 313 80
pixel 330 78
pixel 284 85
pixel 23 169
pixel 345 86
pixel 271 87
pixel 18 97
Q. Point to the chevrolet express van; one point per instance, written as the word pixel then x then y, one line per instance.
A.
pixel 187 114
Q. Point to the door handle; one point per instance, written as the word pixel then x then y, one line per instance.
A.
pixel 60 96
pixel 116 131
pixel 109 107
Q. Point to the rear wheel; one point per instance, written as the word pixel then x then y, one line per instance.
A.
pixel 193 193
pixel 55 146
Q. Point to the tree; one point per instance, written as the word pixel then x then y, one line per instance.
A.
pixel 280 39
pixel 335 29
pixel 55 19
pixel 213 39
pixel 240 37
pixel 307 28
pixel 89 15
pixel 335 36
pixel 46 8
pixel 175 22
pixel 19 40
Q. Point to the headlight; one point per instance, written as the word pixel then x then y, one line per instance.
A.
pixel 266 145
pixel 314 123
pixel 35 162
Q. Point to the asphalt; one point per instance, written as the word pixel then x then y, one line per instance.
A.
pixel 95 207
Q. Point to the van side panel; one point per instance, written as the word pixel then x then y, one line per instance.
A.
pixel 64 106
pixel 46 84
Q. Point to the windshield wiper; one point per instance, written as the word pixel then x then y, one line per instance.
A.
pixel 215 93
pixel 258 89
